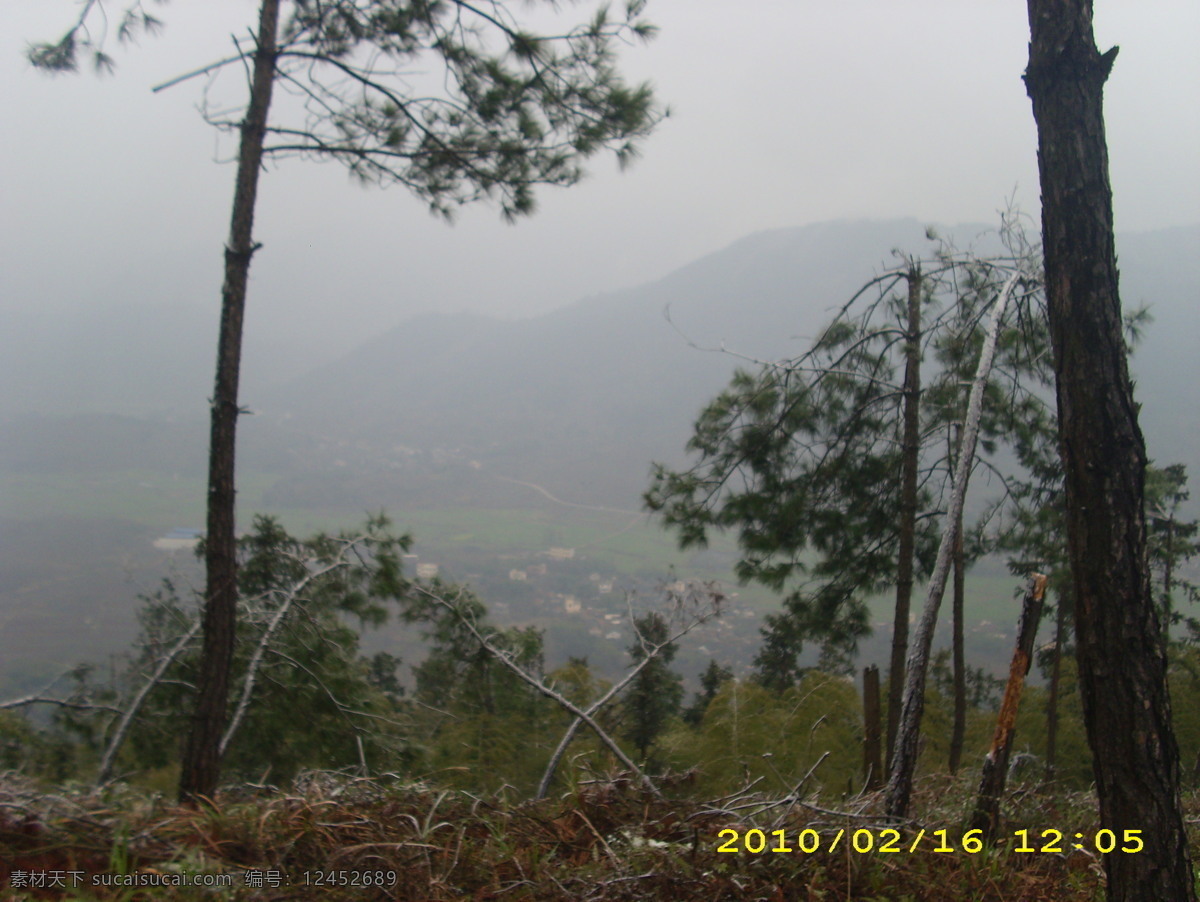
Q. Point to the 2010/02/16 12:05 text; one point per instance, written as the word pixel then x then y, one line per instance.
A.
pixel 889 840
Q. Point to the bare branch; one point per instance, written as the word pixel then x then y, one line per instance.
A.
pixel 58 702
pixel 289 598
pixel 135 705
pixel 651 651
pixel 203 70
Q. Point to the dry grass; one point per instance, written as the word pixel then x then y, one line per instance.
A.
pixel 608 841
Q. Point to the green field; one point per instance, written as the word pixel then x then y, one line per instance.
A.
pixel 77 552
pixel 153 499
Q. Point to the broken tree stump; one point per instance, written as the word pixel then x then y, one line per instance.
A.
pixel 872 730
pixel 995 765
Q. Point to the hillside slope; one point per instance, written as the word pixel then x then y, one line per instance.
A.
pixel 582 399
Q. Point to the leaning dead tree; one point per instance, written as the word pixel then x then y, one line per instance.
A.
pixel 288 598
pixel 904 756
pixel 134 707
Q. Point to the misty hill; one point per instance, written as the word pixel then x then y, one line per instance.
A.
pixel 1161 269
pixel 578 401
pixel 581 400
pixel 98 454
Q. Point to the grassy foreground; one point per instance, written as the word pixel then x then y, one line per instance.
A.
pixel 332 837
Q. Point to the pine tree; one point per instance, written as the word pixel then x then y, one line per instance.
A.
pixel 656 692
pixel 829 476
pixel 1170 541
pixel 800 461
pixel 711 680
pixel 511 110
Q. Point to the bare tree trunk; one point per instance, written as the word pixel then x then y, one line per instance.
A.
pixel 958 731
pixel 995 765
pixel 1060 635
pixel 904 756
pixel 202 755
pixel 1122 664
pixel 872 747
pixel 910 454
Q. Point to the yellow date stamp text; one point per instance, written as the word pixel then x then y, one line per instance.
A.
pixel 888 840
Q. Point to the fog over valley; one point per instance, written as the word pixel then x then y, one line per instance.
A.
pixel 656 430
pixel 492 440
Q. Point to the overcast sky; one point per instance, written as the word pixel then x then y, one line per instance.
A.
pixel 784 112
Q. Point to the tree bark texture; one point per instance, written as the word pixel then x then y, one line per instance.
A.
pixel 1122 665
pixel 910 454
pixel 202 756
pixel 1168 561
pixel 995 765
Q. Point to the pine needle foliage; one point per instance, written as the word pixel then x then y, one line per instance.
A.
pixel 305 695
pixel 802 459
pixel 455 101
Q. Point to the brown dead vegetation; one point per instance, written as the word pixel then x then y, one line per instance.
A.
pixel 606 841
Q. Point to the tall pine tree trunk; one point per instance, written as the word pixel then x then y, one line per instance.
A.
pixel 202 757
pixel 910 454
pixel 1122 666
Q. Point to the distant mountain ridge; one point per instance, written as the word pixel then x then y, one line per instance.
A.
pixel 103 439
pixel 580 400
pixel 445 407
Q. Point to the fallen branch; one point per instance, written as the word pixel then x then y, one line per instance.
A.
pixel 503 657
pixel 581 716
pixel 651 651
pixel 37 698
pixel 60 702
